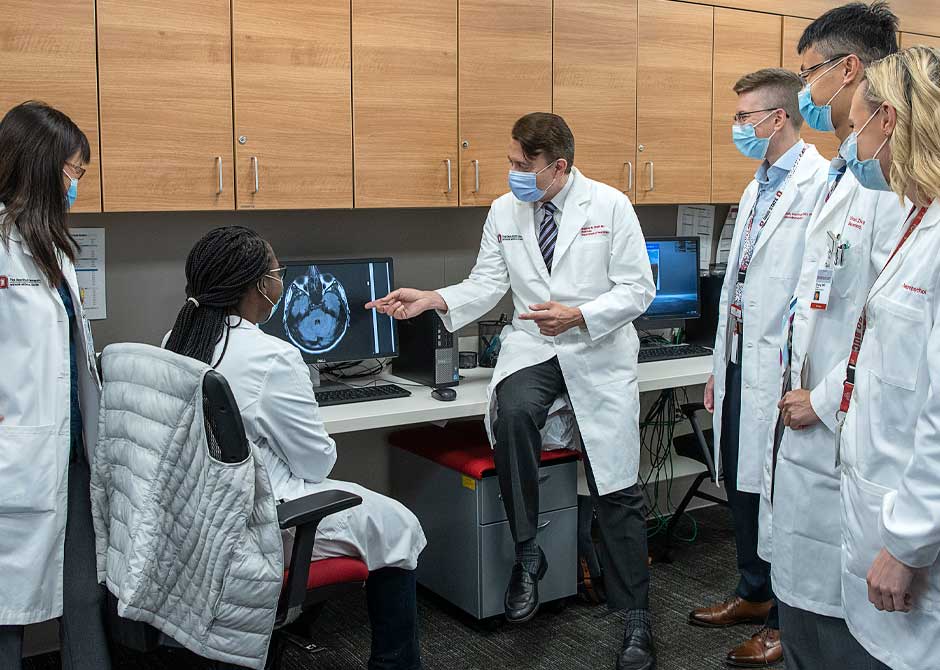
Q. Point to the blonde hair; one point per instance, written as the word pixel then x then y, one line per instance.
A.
pixel 909 81
pixel 781 90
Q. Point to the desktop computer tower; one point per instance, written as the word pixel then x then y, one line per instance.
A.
pixel 428 352
pixel 702 331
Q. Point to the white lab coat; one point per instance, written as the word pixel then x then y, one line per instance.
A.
pixel 805 558
pixel 272 387
pixel 891 454
pixel 600 265
pixel 768 287
pixel 35 435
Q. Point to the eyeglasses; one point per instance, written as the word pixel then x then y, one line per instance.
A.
pixel 277 273
pixel 78 170
pixel 741 117
pixel 803 74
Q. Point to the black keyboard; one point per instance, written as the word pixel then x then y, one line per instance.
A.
pixel 672 351
pixel 360 394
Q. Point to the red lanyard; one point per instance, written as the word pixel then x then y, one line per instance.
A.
pixel 849 384
pixel 746 262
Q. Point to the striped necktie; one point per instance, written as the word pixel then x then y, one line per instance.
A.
pixel 548 233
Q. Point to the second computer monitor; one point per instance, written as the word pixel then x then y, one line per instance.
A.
pixel 322 311
pixel 675 265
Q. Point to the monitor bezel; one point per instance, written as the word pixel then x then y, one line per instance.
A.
pixel 647 321
pixel 312 359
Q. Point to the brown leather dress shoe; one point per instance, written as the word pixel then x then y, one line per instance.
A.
pixel 735 610
pixel 761 651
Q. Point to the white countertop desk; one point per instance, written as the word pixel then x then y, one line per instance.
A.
pixel 471 397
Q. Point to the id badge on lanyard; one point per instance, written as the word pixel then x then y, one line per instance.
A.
pixel 822 289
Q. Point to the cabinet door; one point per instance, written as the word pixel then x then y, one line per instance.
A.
pixel 594 72
pixel 911 39
pixel 734 57
pixel 674 102
pixel 293 117
pixel 405 102
pixel 47 53
pixel 165 80
pixel 505 65
pixel 826 143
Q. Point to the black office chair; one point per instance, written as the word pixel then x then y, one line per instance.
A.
pixel 698 446
pixel 307 585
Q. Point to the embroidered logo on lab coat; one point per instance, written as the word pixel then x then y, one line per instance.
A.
pixel 508 238
pixel 914 289
pixel 857 223
pixel 13 282
pixel 593 231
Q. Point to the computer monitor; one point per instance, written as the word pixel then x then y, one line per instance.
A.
pixel 675 264
pixel 322 311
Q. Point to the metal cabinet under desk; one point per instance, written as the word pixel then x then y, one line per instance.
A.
pixel 470 552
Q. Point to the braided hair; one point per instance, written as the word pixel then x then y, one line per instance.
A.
pixel 221 267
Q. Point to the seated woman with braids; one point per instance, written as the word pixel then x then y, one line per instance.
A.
pixel 233 283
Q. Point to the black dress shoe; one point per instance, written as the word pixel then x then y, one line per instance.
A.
pixel 638 651
pixel 522 594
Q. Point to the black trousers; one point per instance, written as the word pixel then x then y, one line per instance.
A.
pixel 754 582
pixel 81 628
pixel 523 400
pixel 812 641
pixel 393 614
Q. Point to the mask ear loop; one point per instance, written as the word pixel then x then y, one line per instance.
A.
pixel 864 126
pixel 265 295
pixel 827 71
pixel 754 126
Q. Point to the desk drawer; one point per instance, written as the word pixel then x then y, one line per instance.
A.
pixel 558 489
pixel 558 538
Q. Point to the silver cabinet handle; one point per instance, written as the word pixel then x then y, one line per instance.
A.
pixel 629 165
pixel 476 181
pixel 254 163
pixel 218 160
pixel 652 177
pixel 450 178
pixel 544 525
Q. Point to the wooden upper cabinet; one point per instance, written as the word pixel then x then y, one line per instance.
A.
pixel 293 116
pixel 674 102
pixel 505 65
pixel 911 39
pixel 921 16
pixel 826 143
pixel 165 80
pixel 47 53
pixel 594 72
pixel 734 58
pixel 405 103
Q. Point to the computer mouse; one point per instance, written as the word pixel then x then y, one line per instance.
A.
pixel 444 394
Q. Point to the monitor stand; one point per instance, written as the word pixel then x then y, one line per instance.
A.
pixel 322 384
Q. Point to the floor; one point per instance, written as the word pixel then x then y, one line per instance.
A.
pixel 575 638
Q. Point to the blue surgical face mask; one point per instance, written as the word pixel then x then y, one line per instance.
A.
pixel 524 185
pixel 273 304
pixel 868 172
pixel 818 117
pixel 746 139
pixel 72 193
